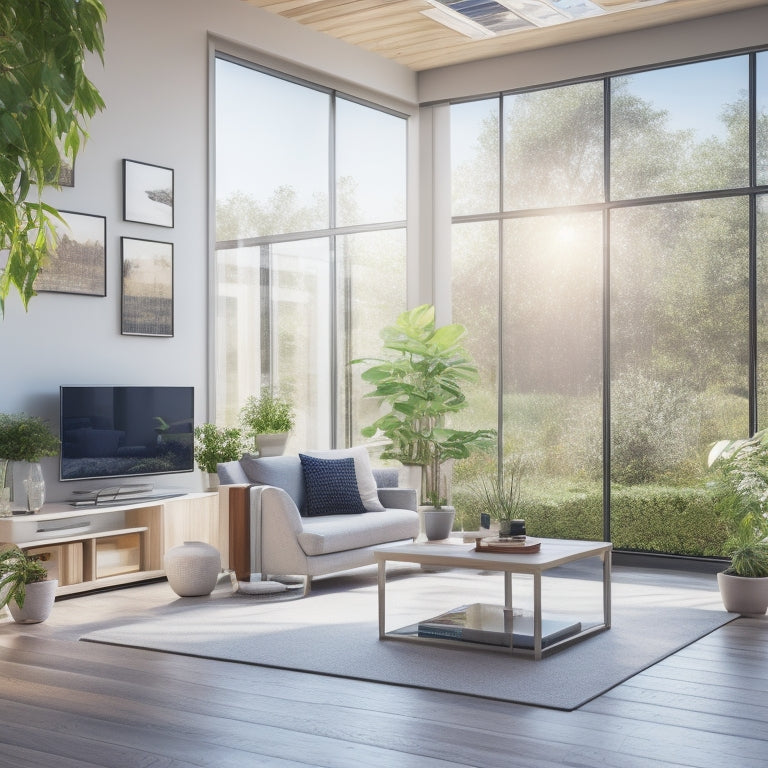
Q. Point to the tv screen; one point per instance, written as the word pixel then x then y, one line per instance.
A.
pixel 126 431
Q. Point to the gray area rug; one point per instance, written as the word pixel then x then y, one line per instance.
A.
pixel 335 632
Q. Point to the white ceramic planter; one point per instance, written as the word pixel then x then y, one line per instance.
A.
pixel 271 445
pixel 744 595
pixel 38 602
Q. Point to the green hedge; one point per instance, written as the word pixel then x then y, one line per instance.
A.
pixel 645 518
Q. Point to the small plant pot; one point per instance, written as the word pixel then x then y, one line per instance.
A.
pixel 742 594
pixel 38 602
pixel 272 445
pixel 438 522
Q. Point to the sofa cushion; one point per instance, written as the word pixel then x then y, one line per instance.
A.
pixel 281 471
pixel 339 533
pixel 330 487
pixel 366 482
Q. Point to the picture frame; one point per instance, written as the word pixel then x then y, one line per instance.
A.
pixel 148 193
pixel 147 287
pixel 77 256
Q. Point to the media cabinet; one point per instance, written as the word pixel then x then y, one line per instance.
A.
pixel 89 548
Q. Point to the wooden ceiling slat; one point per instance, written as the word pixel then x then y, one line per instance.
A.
pixel 399 31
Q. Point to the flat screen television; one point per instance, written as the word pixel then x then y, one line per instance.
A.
pixel 126 431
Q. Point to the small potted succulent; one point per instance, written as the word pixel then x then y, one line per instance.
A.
pixel 215 445
pixel 266 421
pixel 25 587
pixel 500 495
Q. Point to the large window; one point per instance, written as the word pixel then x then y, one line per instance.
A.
pixel 630 327
pixel 310 245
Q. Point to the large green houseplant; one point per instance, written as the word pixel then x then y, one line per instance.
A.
pixel 45 99
pixel 743 488
pixel 420 383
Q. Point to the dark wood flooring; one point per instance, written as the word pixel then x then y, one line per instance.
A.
pixel 65 703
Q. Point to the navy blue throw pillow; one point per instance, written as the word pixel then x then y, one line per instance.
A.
pixel 330 487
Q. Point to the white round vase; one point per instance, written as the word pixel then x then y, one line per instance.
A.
pixel 192 568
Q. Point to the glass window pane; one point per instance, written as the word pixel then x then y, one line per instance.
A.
pixel 370 167
pixel 679 365
pixel 273 329
pixel 762 312
pixel 680 129
pixel 371 291
pixel 475 157
pixel 272 155
pixel 475 304
pixel 552 347
pixel 762 118
pixel 553 147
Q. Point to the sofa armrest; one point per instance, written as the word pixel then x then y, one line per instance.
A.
pixel 398 498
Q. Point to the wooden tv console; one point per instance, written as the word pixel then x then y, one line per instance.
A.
pixel 89 548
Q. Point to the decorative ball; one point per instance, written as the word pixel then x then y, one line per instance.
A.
pixel 192 568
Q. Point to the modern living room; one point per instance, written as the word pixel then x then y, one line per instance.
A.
pixel 696 701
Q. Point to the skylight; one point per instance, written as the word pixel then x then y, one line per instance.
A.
pixel 489 18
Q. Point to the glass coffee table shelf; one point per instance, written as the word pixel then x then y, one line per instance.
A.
pixel 498 627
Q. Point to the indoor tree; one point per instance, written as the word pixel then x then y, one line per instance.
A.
pixel 46 99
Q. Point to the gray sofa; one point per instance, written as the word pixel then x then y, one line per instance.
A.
pixel 275 527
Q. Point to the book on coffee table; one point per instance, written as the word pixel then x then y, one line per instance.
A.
pixel 495 625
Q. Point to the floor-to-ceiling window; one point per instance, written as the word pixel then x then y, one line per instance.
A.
pixel 310 244
pixel 625 220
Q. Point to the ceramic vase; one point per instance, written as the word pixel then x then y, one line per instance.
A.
pixel 34 487
pixel 192 568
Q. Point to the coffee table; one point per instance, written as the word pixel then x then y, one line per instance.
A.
pixel 553 553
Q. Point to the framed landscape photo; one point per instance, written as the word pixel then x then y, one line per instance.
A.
pixel 147 294
pixel 147 193
pixel 78 257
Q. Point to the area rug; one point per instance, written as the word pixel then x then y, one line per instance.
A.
pixel 336 633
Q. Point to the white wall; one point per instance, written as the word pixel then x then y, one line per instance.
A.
pixel 155 85
pixel 726 32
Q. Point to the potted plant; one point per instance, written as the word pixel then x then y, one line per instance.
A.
pixel 267 420
pixel 500 495
pixel 420 382
pixel 25 587
pixel 743 466
pixel 215 445
pixel 28 439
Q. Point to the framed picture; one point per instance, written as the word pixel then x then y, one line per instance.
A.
pixel 78 257
pixel 147 303
pixel 147 193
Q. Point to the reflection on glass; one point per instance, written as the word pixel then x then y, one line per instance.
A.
pixel 371 293
pixel 679 351
pixel 272 154
pixel 553 147
pixel 275 331
pixel 475 304
pixel 680 129
pixel 762 118
pixel 475 157
pixel 552 347
pixel 370 172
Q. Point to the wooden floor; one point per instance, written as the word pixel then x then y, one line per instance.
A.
pixel 66 703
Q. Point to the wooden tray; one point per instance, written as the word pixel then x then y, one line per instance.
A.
pixel 494 544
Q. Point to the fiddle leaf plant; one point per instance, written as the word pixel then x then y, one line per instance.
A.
pixel 45 99
pixel 421 382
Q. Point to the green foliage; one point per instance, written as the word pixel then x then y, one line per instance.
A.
pixel 45 98
pixel 743 484
pixel 501 494
pixel 421 381
pixel 17 569
pixel 26 438
pixel 267 414
pixel 214 445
